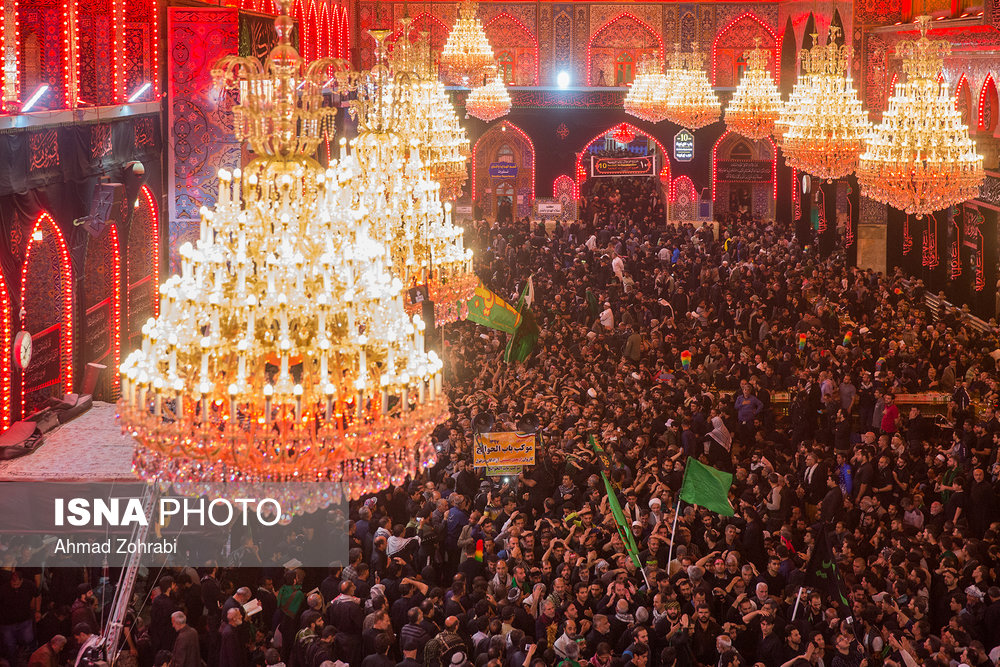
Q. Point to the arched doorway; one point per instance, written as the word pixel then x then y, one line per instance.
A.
pixel 101 325
pixel 731 44
pixel 616 47
pixel 624 169
pixel 503 159
pixel 142 273
pixel 516 49
pixel 744 175
pixel 47 303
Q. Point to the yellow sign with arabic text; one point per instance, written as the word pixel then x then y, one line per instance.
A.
pixel 507 448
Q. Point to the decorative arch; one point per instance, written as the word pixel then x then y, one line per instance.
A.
pixel 988 107
pixel 631 35
pixel 142 270
pixel 893 80
pixel 682 185
pixel 6 390
pixel 562 184
pixel 684 199
pixel 345 34
pixel 508 34
pixel 332 28
pixel 501 134
pixel 322 31
pixel 309 40
pixel 101 325
pixel 47 300
pixel 731 138
pixel 963 99
pixel 733 41
pixel 581 171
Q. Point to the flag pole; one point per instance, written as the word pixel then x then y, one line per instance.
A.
pixel 673 533
pixel 798 598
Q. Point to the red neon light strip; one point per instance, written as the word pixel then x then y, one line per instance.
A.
pixel 66 354
pixel 498 128
pixel 984 123
pixel 590 44
pixel 154 217
pixel 6 394
pixel 524 29
pixel 116 312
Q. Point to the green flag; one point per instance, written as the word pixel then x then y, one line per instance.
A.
pixel 624 530
pixel 491 311
pixel 704 485
pixel 521 344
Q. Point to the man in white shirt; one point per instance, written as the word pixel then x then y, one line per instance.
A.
pixel 607 317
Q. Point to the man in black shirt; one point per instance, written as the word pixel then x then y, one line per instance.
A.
pixel 19 609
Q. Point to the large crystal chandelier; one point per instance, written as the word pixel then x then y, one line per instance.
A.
pixel 282 352
pixel 920 159
pixel 490 101
pixel 691 103
pixel 646 98
pixel 756 104
pixel 398 188
pixel 467 53
pixel 445 146
pixel 827 126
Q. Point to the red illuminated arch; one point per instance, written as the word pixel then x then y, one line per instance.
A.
pixel 747 17
pixel 774 162
pixel 619 17
pixel 581 171
pixel 987 113
pixel 503 126
pixel 504 16
pixel 683 184
pixel 963 99
pixel 344 38
pixel 44 224
pixel 562 181
pixel 310 42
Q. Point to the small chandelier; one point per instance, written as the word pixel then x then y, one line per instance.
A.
pixel 691 103
pixel 282 352
pixel 920 159
pixel 827 126
pixel 756 104
pixel 623 134
pixel 646 98
pixel 490 101
pixel 467 53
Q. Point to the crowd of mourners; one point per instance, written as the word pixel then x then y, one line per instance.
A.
pixel 735 344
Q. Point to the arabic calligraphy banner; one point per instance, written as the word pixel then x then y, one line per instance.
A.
pixel 506 448
pixel 622 166
pixel 743 171
pixel 488 309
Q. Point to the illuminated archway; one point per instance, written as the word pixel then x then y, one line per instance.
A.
pixel 734 39
pixel 963 100
pixel 47 300
pixel 486 147
pixel 581 171
pixel 988 105
pixel 563 184
pixel 142 271
pixel 630 34
pixel 731 139
pixel 507 33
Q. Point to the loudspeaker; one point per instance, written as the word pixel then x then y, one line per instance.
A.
pixel 107 206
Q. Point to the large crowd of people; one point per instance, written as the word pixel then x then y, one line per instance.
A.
pixel 734 344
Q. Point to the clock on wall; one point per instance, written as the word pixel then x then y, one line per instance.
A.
pixel 22 350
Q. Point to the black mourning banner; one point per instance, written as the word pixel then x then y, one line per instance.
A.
pixel 97 331
pixel 743 171
pixel 43 370
pixel 622 166
pixel 257 35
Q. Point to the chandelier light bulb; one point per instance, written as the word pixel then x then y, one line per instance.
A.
pixel 756 104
